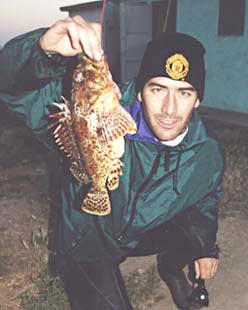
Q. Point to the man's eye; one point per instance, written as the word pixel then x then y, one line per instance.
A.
pixel 157 90
pixel 185 93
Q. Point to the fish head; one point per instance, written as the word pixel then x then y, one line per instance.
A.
pixel 93 86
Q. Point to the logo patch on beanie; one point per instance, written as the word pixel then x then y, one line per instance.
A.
pixel 177 67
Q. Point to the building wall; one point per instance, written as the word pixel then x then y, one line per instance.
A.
pixel 226 57
pixel 140 21
pixel 136 31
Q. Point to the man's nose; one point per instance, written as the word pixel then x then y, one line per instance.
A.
pixel 169 105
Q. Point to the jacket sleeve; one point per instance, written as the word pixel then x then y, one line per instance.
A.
pixel 207 230
pixel 200 222
pixel 25 66
pixel 29 80
pixel 200 232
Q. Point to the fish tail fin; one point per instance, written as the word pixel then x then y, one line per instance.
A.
pixel 96 202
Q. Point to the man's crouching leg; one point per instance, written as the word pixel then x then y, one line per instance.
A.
pixel 174 277
pixel 95 286
pixel 185 290
pixel 183 294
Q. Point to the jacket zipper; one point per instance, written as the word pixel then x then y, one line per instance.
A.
pixel 140 190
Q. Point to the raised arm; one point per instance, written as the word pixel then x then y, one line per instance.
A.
pixel 32 60
pixel 34 65
pixel 71 36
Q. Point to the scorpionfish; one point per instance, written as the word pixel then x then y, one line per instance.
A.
pixel 90 129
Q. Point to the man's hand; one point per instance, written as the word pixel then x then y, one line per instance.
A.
pixel 71 36
pixel 205 268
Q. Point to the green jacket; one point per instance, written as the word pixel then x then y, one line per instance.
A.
pixel 158 182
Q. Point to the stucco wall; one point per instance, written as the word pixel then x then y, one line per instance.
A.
pixel 226 57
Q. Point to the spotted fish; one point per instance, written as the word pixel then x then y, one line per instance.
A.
pixel 90 129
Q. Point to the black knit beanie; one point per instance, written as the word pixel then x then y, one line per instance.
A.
pixel 174 55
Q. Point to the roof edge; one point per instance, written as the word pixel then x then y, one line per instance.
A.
pixel 91 5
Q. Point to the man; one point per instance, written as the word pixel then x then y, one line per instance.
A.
pixel 166 200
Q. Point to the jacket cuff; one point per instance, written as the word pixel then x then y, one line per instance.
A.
pixel 45 66
pixel 200 232
pixel 211 252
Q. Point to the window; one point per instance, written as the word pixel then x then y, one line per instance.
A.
pixel 231 17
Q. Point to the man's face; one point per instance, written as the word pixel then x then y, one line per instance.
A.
pixel 167 106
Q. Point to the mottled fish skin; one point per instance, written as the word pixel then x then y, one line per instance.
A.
pixel 90 129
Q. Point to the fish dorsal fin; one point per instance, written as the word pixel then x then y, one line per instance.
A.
pixel 79 173
pixel 66 140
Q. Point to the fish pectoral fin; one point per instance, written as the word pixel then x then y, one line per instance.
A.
pixel 132 128
pixel 113 178
pixel 96 203
pixel 115 124
pixel 79 173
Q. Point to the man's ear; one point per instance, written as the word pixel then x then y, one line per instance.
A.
pixel 139 96
pixel 197 103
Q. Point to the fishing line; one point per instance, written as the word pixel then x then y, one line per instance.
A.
pixel 166 16
pixel 103 11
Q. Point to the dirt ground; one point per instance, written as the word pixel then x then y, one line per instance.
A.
pixel 24 209
pixel 21 206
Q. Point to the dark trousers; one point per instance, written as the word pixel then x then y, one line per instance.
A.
pixel 95 286
pixel 99 285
